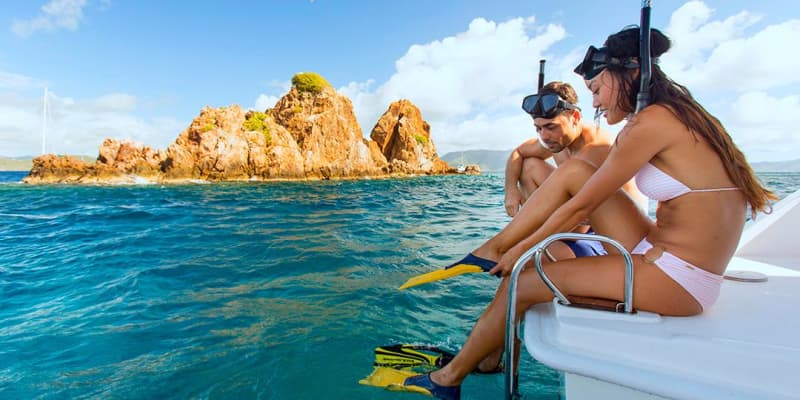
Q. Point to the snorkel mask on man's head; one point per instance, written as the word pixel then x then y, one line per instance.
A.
pixel 546 105
pixel 596 60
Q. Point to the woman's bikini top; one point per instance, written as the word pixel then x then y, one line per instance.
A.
pixel 657 185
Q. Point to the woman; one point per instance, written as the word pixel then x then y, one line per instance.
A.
pixel 682 157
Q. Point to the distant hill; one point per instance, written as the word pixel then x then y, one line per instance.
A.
pixel 15 164
pixel 777 166
pixel 24 163
pixel 488 160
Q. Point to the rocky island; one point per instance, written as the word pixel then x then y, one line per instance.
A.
pixel 310 133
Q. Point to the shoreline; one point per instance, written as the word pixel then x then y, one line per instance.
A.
pixel 132 179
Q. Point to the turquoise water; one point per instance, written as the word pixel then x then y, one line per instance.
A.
pixel 272 291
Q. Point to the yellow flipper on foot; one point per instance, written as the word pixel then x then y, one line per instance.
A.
pixel 439 274
pixel 405 356
pixel 468 264
pixel 394 380
pixel 406 381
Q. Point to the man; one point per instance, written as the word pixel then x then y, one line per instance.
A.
pixel 563 136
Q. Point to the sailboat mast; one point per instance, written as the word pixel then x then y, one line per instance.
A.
pixel 44 120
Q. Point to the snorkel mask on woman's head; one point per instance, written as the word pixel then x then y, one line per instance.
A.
pixel 596 60
pixel 546 105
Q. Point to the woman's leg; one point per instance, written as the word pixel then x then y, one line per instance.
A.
pixel 559 187
pixel 601 276
pixel 618 218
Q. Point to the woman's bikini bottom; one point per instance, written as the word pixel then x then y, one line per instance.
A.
pixel 701 284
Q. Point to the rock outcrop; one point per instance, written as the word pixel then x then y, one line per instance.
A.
pixel 230 144
pixel 325 128
pixel 405 138
pixel 471 169
pixel 118 162
pixel 51 168
pixel 311 133
pixel 126 157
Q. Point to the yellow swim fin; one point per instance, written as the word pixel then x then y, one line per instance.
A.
pixel 406 356
pixel 393 379
pixel 385 376
pixel 440 274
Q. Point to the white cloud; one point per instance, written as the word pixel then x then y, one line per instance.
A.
pixel 55 15
pixel 120 102
pixel 264 102
pixel 731 66
pixel 468 86
pixel 692 34
pixel 486 132
pixel 713 55
pixel 765 125
pixel 16 81
pixel 74 126
pixel 486 69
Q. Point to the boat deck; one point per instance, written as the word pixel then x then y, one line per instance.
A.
pixel 747 346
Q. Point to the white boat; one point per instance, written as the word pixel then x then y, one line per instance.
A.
pixel 747 346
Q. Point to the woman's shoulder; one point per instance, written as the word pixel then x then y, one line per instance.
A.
pixel 657 118
pixel 656 127
pixel 655 113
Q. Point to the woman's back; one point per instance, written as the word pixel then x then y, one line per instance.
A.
pixel 703 223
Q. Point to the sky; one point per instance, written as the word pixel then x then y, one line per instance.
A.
pixel 141 70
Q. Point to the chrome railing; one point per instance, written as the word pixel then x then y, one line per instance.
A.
pixel 512 326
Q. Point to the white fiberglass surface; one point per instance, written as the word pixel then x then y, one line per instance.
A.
pixel 746 346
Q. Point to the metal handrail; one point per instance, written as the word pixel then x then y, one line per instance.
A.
pixel 511 311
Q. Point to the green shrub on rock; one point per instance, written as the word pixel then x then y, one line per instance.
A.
pixel 309 82
pixel 256 121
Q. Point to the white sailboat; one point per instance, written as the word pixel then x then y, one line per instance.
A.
pixel 44 120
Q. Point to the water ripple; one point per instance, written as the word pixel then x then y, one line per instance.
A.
pixel 239 290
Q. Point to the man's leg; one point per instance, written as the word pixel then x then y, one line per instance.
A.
pixel 559 187
pixel 556 190
pixel 534 172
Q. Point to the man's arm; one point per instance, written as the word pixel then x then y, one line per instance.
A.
pixel 514 196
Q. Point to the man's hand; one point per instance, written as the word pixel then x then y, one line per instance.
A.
pixel 514 201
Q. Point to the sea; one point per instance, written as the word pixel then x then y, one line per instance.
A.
pixel 242 290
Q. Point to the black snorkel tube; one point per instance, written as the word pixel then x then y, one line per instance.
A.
pixel 541 76
pixel 643 98
pixel 539 92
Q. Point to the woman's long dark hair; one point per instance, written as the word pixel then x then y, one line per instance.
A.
pixel 679 101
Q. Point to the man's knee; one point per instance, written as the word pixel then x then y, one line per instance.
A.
pixel 535 171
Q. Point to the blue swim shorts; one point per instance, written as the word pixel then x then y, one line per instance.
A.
pixel 585 248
